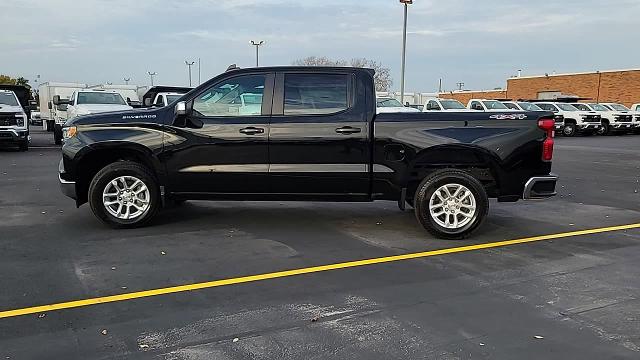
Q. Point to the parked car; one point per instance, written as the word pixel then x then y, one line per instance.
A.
pixel 612 121
pixel 486 105
pixel 35 120
pixel 625 110
pixel 445 105
pixel 14 121
pixel 317 137
pixel 88 101
pixel 391 105
pixel 635 107
pixel 527 106
pixel 575 121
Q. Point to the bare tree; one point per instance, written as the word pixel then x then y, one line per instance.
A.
pixel 382 77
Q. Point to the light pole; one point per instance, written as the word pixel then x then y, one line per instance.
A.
pixel 460 85
pixel 126 80
pixel 406 4
pixel 257 45
pixel 152 74
pixel 189 65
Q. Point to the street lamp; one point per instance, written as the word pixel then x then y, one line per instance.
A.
pixel 189 65
pixel 406 4
pixel 460 85
pixel 152 74
pixel 126 80
pixel 257 45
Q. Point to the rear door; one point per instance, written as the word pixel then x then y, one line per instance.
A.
pixel 221 149
pixel 319 136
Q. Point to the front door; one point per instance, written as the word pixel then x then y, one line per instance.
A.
pixel 222 147
pixel 318 139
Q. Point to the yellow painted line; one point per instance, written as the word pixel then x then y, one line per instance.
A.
pixel 308 270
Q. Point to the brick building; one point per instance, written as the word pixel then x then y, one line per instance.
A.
pixel 621 86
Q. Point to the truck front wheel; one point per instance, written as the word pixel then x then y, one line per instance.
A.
pixel 451 204
pixel 569 130
pixel 124 195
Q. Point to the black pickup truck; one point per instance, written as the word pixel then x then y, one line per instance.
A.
pixel 305 134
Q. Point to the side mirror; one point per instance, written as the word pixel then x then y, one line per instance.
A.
pixel 49 105
pixel 181 108
pixel 56 100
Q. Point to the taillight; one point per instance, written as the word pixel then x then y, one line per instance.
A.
pixel 548 125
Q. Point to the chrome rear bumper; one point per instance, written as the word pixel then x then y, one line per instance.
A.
pixel 540 187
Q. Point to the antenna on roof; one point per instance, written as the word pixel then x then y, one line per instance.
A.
pixel 233 67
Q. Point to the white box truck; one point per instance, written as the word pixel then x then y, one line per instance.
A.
pixel 50 113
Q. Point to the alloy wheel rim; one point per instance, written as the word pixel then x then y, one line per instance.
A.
pixel 568 130
pixel 453 206
pixel 126 198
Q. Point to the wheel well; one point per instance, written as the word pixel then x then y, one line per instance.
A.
pixel 479 165
pixel 93 162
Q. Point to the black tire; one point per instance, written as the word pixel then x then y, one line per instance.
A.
pixel 57 137
pixel 113 171
pixel 569 130
pixel 433 182
pixel 24 145
pixel 605 129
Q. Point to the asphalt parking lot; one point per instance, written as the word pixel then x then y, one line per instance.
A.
pixel 562 297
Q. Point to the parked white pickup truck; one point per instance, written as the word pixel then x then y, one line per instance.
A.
pixel 527 106
pixel 612 121
pixel 575 120
pixel 486 105
pixel 165 98
pixel 391 105
pixel 14 125
pixel 625 110
pixel 89 101
pixel 444 105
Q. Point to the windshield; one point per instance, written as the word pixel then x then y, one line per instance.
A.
pixel 494 105
pixel 7 98
pixel 582 107
pixel 100 98
pixel 452 104
pixel 598 107
pixel 529 106
pixel 619 107
pixel 172 98
pixel 566 107
pixel 388 103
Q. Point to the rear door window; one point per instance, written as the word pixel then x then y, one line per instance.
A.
pixel 315 94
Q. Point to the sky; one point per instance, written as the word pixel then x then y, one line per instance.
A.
pixel 480 43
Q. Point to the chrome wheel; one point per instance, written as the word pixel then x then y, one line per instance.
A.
pixel 452 206
pixel 126 198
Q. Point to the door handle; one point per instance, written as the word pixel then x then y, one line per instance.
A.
pixel 346 130
pixel 252 130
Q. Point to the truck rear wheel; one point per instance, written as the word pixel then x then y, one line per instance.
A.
pixel 124 195
pixel 451 204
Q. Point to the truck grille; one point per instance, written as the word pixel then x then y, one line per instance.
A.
pixel 624 118
pixel 8 119
pixel 592 118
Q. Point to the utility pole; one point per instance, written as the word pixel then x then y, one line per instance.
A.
pixel 257 45
pixel 189 65
pixel 152 74
pixel 460 85
pixel 126 80
pixel 406 4
pixel 199 72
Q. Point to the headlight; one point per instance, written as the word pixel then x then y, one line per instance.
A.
pixel 21 119
pixel 69 132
